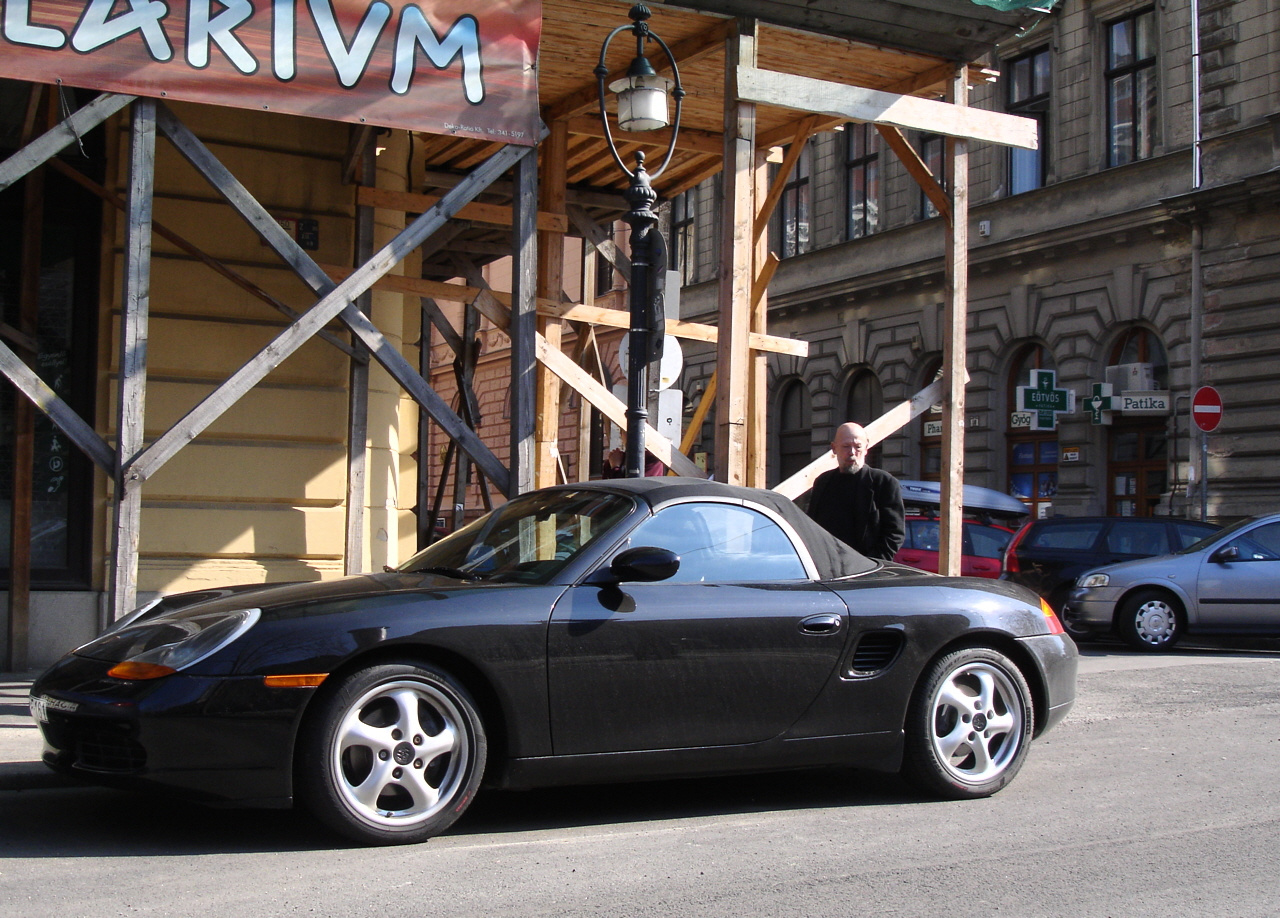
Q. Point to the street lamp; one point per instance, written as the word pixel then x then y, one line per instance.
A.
pixel 642 106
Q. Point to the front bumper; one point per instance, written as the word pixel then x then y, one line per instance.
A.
pixel 1092 607
pixel 1057 659
pixel 216 739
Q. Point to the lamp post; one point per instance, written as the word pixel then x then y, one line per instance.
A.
pixel 642 106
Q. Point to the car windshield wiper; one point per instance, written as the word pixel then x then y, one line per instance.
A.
pixel 453 572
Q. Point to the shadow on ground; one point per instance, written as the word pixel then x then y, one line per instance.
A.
pixel 80 821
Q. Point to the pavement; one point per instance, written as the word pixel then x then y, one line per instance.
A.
pixel 20 743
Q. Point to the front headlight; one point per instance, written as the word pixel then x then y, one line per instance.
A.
pixel 1093 580
pixel 163 646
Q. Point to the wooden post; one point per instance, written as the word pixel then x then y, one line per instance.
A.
pixel 553 155
pixel 737 244
pixel 954 343
pixel 523 330
pixel 358 382
pixel 758 361
pixel 134 305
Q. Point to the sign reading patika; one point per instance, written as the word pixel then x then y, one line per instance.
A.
pixel 442 66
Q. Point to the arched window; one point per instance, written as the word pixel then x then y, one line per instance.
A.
pixel 1032 454
pixel 863 403
pixel 1137 447
pixel 795 429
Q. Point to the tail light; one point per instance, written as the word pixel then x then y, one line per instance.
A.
pixel 1051 617
pixel 1010 561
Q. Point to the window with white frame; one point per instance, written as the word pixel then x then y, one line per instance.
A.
pixel 789 229
pixel 862 177
pixel 684 254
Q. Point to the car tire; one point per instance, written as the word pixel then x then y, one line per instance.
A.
pixel 393 755
pixel 1151 620
pixel 969 725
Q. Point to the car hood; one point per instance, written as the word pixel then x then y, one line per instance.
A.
pixel 269 597
pixel 1159 566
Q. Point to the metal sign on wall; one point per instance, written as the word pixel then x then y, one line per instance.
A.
pixel 442 66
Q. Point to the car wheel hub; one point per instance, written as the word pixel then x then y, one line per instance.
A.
pixel 1154 623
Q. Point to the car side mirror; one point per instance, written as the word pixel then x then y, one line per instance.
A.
pixel 645 564
pixel 1224 554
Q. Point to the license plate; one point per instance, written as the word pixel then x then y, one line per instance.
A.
pixel 41 705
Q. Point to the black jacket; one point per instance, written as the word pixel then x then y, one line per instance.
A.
pixel 862 509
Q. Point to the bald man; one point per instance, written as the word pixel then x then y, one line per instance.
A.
pixel 859 505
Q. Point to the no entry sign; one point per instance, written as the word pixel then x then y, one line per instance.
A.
pixel 1206 408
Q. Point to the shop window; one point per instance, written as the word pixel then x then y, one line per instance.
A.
pixel 65 328
pixel 1131 79
pixel 1032 454
pixel 1029 79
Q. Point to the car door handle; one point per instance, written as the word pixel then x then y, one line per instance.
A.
pixel 826 623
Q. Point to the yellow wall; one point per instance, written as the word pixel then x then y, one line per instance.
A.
pixel 261 494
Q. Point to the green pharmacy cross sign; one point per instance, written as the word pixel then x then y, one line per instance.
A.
pixel 1101 403
pixel 1039 404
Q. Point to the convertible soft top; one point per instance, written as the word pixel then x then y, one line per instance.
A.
pixel 833 558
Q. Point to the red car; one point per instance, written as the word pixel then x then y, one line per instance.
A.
pixel 983 540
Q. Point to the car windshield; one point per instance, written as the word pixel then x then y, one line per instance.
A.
pixel 527 540
pixel 1215 536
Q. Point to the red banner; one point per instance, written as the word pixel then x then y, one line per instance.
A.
pixel 443 66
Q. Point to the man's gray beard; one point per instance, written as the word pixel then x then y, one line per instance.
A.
pixel 850 469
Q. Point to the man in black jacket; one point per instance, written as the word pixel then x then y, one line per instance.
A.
pixel 856 503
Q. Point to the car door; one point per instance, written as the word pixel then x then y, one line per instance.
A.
pixel 1245 591
pixel 730 650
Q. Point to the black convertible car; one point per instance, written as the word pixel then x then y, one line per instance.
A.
pixel 612 630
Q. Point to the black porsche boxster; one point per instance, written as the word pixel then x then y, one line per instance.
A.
pixel 614 630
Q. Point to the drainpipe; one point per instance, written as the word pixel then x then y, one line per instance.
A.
pixel 1197 244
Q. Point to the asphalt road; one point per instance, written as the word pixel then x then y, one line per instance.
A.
pixel 1159 796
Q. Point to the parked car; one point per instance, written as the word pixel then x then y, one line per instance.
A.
pixel 983 546
pixel 613 630
pixel 1227 583
pixel 1048 555
pixel 983 537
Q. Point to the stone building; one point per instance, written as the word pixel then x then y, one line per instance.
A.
pixel 1138 248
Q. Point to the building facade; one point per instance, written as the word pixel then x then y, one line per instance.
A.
pixel 1131 260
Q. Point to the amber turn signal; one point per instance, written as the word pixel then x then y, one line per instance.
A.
pixel 1055 626
pixel 138 671
pixel 306 680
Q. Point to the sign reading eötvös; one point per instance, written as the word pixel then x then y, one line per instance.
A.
pixel 443 66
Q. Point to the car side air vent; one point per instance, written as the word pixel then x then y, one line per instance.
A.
pixel 875 652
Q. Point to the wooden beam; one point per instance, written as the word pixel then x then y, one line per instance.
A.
pixel 599 239
pixel 690 139
pixel 131 408
pixel 854 103
pixel 358 375
pixel 523 330
pixel 737 242
pixel 909 156
pixel 550 250
pixel 49 144
pixel 699 415
pixel 613 408
pixel 574 312
pixel 492 214
pixel 331 303
pixel 955 345
pixel 893 420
